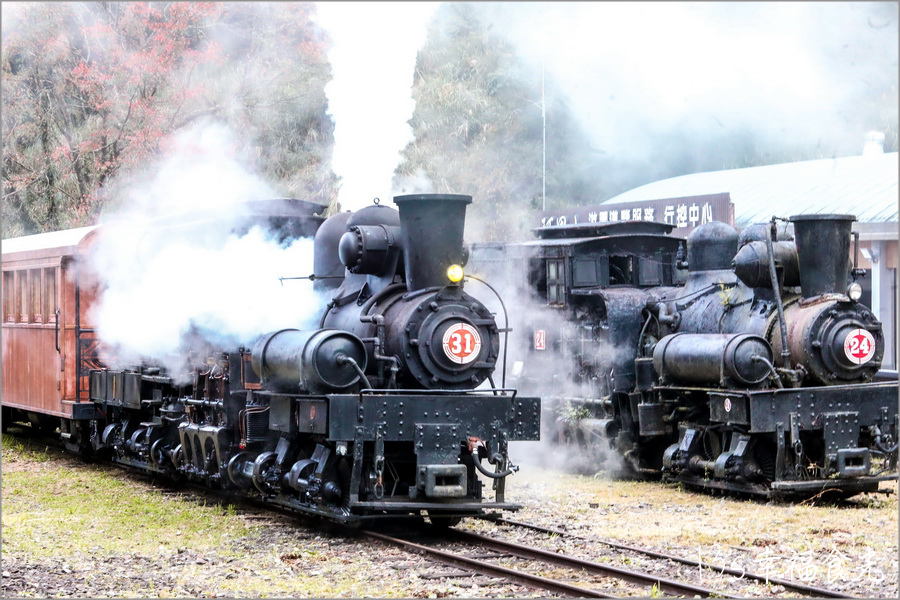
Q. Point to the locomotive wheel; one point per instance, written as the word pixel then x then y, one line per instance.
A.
pixel 137 438
pixel 262 469
pixel 235 470
pixel 111 434
pixel 442 521
pixel 341 473
pixel 210 459
pixel 712 444
pixel 765 453
pixel 177 456
pixel 158 453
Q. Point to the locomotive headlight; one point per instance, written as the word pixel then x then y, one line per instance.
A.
pixel 455 273
pixel 854 290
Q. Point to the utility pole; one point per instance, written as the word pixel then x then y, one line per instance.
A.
pixel 544 142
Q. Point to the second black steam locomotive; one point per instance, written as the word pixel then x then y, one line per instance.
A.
pixel 373 414
pixel 739 363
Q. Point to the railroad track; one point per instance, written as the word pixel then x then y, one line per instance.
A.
pixel 529 566
pixel 521 564
pixel 788 585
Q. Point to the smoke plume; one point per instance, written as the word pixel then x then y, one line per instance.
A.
pixel 373 59
pixel 668 88
pixel 551 374
pixel 176 284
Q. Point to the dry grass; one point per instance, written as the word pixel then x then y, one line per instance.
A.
pixel 829 544
pixel 73 529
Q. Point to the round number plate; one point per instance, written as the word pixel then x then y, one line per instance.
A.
pixel 859 346
pixel 462 344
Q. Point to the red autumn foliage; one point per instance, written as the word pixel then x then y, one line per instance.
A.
pixel 91 89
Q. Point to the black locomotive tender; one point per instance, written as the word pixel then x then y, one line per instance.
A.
pixel 374 414
pixel 753 372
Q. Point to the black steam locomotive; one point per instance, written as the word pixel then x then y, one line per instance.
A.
pixel 739 363
pixel 374 414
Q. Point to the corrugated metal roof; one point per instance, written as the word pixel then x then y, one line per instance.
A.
pixel 865 186
pixel 52 239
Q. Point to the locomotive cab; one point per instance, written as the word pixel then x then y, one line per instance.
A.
pixel 591 283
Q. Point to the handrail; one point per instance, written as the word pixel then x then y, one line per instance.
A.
pixel 391 392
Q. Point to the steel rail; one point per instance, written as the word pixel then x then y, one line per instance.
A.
pixel 484 568
pixel 637 577
pixel 811 591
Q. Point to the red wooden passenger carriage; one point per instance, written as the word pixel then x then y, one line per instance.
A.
pixel 48 342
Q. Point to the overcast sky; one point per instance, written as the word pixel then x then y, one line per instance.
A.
pixel 797 72
pixel 660 88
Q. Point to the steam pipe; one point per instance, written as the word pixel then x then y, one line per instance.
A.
pixel 664 316
pixel 505 328
pixel 773 275
pixel 343 359
pixel 378 347
pixel 772 370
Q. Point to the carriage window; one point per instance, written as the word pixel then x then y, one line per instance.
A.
pixel 585 273
pixel 651 270
pixel 50 295
pixel 621 270
pixel 556 282
pixel 22 276
pixel 36 313
pixel 9 297
pixel 537 276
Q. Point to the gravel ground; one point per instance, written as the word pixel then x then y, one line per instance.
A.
pixel 851 546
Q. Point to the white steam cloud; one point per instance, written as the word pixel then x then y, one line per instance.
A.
pixel 373 60
pixel 702 76
pixel 172 286
pixel 550 374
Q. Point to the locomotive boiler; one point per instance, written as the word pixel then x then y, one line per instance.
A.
pixel 373 414
pixel 738 363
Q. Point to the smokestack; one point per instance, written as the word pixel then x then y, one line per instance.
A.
pixel 823 252
pixel 432 235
